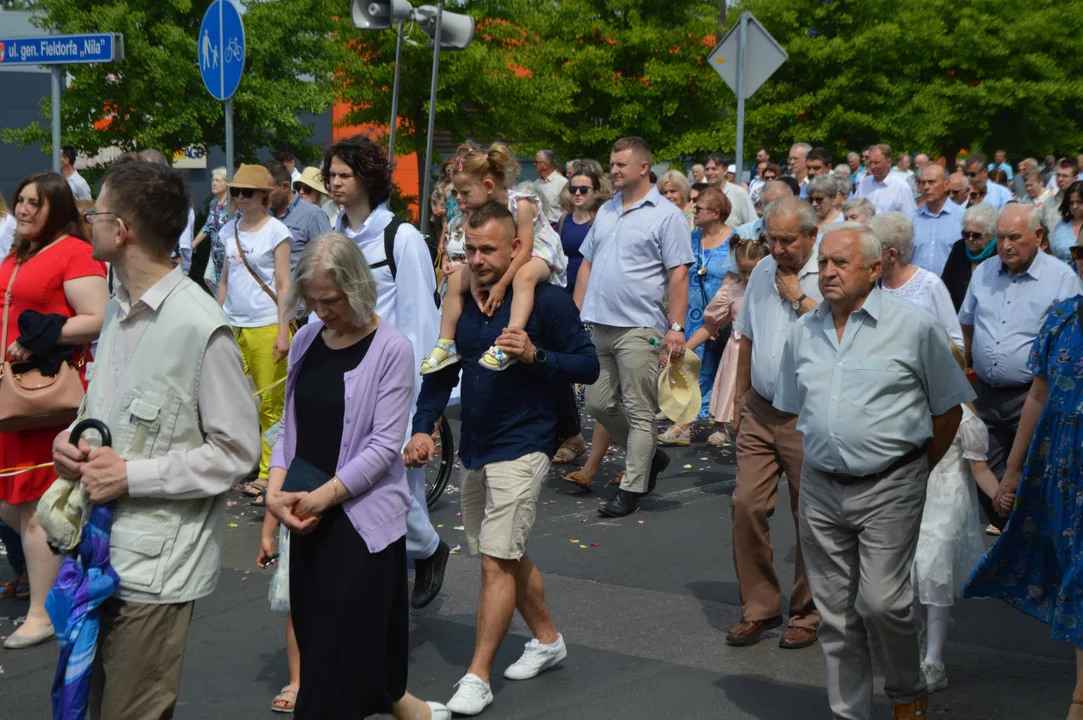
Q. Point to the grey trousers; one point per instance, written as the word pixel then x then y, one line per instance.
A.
pixel 1000 410
pixel 858 542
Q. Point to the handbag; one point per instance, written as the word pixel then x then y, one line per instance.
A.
pixel 303 476
pixel 294 324
pixel 30 400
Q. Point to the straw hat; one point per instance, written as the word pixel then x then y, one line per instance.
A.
pixel 678 389
pixel 255 177
pixel 312 177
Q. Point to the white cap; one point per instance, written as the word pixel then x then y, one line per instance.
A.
pixel 732 169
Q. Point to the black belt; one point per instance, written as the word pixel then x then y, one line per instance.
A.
pixel 912 456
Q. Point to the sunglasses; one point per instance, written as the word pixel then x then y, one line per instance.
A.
pixel 241 192
pixel 580 189
pixel 1076 251
pixel 973 235
pixel 708 208
pixel 817 199
pixel 974 174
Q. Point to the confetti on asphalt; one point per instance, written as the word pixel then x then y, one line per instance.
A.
pixel 573 540
pixel 455 550
pixel 230 503
pixel 640 521
pixel 594 544
pixel 244 578
pixel 583 547
pixel 687 467
pixel 1 669
pixel 439 526
pixel 582 520
pixel 233 524
pixel 460 527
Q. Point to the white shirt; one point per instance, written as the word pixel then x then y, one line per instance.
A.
pixel 766 319
pixel 997 195
pixel 294 176
pixel 7 234
pixel 929 292
pixel 550 188
pixel 742 210
pixel 185 242
pixel 247 305
pixel 891 194
pixel 79 186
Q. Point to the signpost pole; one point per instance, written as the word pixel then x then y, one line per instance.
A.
pixel 58 78
pixel 229 138
pixel 423 201
pixel 395 99
pixel 742 51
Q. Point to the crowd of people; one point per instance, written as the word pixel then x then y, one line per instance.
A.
pixel 901 340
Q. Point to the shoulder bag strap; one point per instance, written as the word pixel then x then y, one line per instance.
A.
pixel 244 259
pixel 7 307
pixel 560 225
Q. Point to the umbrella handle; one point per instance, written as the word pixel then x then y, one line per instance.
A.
pixel 91 424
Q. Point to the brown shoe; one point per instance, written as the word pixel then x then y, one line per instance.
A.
pixel 748 632
pixel 911 711
pixel 796 638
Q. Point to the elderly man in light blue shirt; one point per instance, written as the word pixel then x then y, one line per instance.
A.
pixel 884 189
pixel 1007 301
pixel 938 224
pixel 877 396
pixel 638 249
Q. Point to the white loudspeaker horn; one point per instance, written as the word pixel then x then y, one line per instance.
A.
pixel 379 14
pixel 456 29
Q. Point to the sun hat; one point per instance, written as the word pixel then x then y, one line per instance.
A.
pixel 254 177
pixel 313 178
pixel 678 389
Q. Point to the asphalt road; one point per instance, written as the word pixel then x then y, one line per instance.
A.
pixel 643 603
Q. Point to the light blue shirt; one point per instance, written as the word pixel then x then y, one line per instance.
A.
pixel 1007 312
pixel 631 253
pixel 997 195
pixel 1002 166
pixel 934 235
pixel 867 400
pixel 1061 240
pixel 766 319
pixel 750 230
pixel 892 194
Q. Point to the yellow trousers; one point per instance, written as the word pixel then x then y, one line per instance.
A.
pixel 257 348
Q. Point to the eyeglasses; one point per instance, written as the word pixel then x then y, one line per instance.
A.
pixel 768 178
pixel 1076 251
pixel 241 192
pixel 580 189
pixel 91 213
pixel 708 208
pixel 973 235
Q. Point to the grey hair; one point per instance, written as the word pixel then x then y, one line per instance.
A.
pixel 153 156
pixel 895 231
pixel 1031 212
pixel 339 255
pixel 679 181
pixel 845 187
pixel 871 248
pixel 853 155
pixel 826 184
pixel 842 170
pixel 548 156
pixel 803 147
pixel 219 172
pixel 790 205
pixel 698 166
pixel 983 216
pixel 862 205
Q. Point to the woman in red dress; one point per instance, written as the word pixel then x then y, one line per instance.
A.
pixel 57 276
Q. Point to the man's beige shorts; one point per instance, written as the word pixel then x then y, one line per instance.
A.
pixel 499 504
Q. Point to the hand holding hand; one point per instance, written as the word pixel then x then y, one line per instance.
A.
pixel 1006 491
pixel 419 451
pixel 105 476
pixel 282 504
pixel 316 503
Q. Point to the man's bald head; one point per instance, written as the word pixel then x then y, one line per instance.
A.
pixel 958 188
pixel 773 191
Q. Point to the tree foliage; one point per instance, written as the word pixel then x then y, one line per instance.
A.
pixel 155 98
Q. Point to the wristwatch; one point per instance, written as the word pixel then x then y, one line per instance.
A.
pixel 676 328
pixel 539 355
pixel 796 304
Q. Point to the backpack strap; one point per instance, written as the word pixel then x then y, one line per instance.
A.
pixel 389 246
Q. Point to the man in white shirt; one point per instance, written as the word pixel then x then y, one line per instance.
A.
pixel 886 191
pixel 78 185
pixel 1065 174
pixel 549 184
pixel 742 210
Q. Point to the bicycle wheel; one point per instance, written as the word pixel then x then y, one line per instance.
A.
pixel 438 470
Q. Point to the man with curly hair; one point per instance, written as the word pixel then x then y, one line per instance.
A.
pixel 358 177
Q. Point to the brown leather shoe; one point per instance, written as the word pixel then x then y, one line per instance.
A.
pixel 911 711
pixel 796 638
pixel 748 632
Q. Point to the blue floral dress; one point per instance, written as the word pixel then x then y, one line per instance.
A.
pixel 1037 566
pixel 217 217
pixel 704 280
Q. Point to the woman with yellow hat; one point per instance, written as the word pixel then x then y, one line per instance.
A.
pixel 311 188
pixel 255 282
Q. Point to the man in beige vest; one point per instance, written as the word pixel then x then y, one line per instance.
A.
pixel 169 382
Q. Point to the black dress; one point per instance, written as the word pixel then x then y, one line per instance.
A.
pixel 957 272
pixel 349 605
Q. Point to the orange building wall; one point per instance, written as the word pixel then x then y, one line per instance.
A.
pixel 405 174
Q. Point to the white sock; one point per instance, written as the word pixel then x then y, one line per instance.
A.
pixel 939 623
pixel 552 644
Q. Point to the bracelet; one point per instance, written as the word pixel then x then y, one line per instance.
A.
pixel 334 488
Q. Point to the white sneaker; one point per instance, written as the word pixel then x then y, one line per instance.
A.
pixel 438 711
pixel 472 697
pixel 535 658
pixel 936 678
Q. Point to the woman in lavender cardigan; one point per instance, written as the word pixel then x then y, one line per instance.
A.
pixel 349 391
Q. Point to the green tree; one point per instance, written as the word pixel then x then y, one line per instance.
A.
pixel 155 98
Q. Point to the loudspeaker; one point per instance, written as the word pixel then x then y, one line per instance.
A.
pixel 456 29
pixel 381 14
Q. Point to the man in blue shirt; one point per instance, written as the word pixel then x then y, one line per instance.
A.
pixel 509 432
pixel 981 190
pixel 305 220
pixel 938 224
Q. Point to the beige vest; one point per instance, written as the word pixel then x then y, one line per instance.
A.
pixel 165 551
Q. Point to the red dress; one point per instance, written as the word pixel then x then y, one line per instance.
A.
pixel 39 286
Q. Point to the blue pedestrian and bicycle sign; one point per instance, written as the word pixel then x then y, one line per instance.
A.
pixel 62 49
pixel 221 49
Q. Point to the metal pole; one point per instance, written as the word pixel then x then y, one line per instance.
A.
pixel 424 199
pixel 58 78
pixel 742 49
pixel 395 99
pixel 229 139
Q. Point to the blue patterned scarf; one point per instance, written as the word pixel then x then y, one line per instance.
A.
pixel 74 605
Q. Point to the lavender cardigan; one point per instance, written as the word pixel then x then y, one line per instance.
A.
pixel 379 398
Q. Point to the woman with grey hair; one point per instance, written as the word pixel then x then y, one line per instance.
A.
pixel 821 192
pixel 339 486
pixel 977 245
pixel 901 278
pixel 218 214
pixel 858 210
pixel 673 186
pixel 842 195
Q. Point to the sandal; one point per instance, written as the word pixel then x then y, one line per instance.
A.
pixel 719 438
pixel 616 479
pixel 444 354
pixel 577 478
pixel 567 454
pixel 282 702
pixel 10 590
pixel 255 488
pixel 497 360
pixel 676 436
pixel 259 500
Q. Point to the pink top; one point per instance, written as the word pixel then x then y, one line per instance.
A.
pixel 724 307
